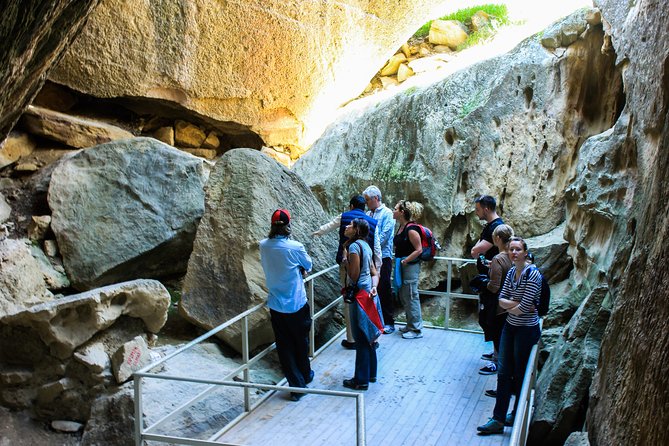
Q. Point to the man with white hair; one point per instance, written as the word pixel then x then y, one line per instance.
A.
pixel 386 228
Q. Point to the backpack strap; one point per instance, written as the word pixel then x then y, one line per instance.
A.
pixel 421 229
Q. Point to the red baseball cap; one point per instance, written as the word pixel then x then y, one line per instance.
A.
pixel 280 217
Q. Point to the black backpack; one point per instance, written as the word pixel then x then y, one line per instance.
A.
pixel 545 296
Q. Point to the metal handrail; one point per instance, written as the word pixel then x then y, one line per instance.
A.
pixel 145 434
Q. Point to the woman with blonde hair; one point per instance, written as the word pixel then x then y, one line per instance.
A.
pixel 408 248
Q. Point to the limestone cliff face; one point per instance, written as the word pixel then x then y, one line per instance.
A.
pixel 33 35
pixel 510 127
pixel 276 67
pixel 629 397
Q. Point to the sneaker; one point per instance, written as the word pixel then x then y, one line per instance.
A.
pixel 389 329
pixel 405 329
pixel 412 335
pixel 353 384
pixel 311 377
pixel 491 393
pixel 489 369
pixel 348 344
pixel 491 427
pixel 488 356
pixel 510 418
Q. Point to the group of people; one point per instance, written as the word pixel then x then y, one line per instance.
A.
pixel 368 242
pixel 509 285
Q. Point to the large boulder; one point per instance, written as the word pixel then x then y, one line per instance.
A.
pixel 294 63
pixel 22 283
pixel 55 357
pixel 65 324
pixel 224 275
pixel 34 36
pixel 126 209
pixel 505 127
pixel 70 130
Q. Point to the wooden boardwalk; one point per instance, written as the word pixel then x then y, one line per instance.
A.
pixel 428 392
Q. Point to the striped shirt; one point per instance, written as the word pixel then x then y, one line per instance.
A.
pixel 527 291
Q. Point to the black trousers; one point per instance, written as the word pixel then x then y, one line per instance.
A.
pixel 386 292
pixel 291 331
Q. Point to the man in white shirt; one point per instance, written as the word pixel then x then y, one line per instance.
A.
pixel 385 229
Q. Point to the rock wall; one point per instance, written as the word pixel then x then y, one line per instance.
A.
pixel 629 398
pixel 510 127
pixel 277 68
pixel 33 35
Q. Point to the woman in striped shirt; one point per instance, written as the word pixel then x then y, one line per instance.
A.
pixel 520 297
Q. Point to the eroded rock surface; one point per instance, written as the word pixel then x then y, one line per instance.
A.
pixel 34 35
pixel 564 382
pixel 126 210
pixel 291 65
pixel 629 397
pixel 55 356
pixel 224 275
pixel 66 323
pixel 505 127
pixel 22 283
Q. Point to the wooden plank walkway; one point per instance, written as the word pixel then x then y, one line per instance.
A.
pixel 428 392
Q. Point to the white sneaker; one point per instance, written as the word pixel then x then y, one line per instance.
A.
pixel 404 329
pixel 412 335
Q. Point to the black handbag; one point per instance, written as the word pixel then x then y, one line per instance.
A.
pixel 351 291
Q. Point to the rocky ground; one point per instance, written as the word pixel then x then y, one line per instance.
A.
pixel 20 429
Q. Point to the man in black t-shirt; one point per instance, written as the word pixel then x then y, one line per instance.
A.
pixel 485 207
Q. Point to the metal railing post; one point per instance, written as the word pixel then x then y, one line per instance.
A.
pixel 360 420
pixel 245 358
pixel 139 420
pixel 312 330
pixel 447 311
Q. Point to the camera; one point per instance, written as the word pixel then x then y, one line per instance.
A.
pixel 349 294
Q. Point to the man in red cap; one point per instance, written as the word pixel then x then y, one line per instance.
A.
pixel 284 261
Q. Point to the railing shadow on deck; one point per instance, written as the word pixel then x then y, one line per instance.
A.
pixel 150 433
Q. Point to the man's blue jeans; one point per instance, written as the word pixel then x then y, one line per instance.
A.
pixel 514 352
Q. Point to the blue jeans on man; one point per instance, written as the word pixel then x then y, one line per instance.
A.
pixel 514 352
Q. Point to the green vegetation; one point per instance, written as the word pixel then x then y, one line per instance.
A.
pixel 175 298
pixel 471 104
pixel 497 11
pixel 410 90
